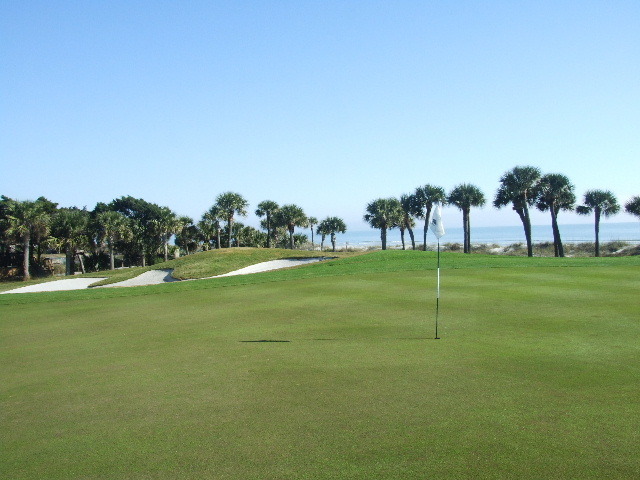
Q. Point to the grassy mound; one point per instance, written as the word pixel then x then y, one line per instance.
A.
pixel 208 264
pixel 199 265
pixel 330 371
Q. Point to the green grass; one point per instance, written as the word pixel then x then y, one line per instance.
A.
pixel 200 265
pixel 536 375
pixel 208 264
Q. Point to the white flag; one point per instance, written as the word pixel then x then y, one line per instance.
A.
pixel 436 222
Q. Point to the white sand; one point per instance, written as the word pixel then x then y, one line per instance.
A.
pixel 155 277
pixel 57 285
pixel 271 265
pixel 151 277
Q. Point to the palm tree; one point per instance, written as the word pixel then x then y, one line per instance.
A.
pixel 633 206
pixel 166 224
pixel 186 234
pixel 312 222
pixel 384 213
pixel 323 232
pixel 147 239
pixel 410 208
pixel 291 216
pixel 249 236
pixel 555 193
pixel 230 204
pixel 139 240
pixel 210 224
pixel 425 197
pixel 40 234
pixel 23 217
pixel 601 203
pixel 114 226
pixel 518 187
pixel 465 196
pixel 70 227
pixel 300 239
pixel 267 208
pixel 331 226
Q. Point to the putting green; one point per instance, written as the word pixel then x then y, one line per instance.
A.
pixel 536 375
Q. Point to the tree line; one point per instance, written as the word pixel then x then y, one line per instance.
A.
pixel 522 187
pixel 140 231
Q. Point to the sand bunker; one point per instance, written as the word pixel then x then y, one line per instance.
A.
pixel 272 265
pixel 155 277
pixel 57 285
pixel 151 277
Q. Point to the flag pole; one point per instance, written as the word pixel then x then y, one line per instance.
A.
pixel 438 230
pixel 438 293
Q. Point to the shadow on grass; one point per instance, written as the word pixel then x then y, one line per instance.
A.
pixel 265 341
pixel 334 340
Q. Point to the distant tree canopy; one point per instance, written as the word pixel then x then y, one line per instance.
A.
pixel 384 214
pixel 291 216
pixel 465 196
pixel 633 206
pixel 229 205
pixel 555 193
pixel 146 223
pixel 425 197
pixel 603 204
pixel 139 232
pixel 331 226
pixel 519 187
pixel 267 208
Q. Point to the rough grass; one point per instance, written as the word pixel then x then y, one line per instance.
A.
pixel 200 265
pixel 208 264
pixel 330 371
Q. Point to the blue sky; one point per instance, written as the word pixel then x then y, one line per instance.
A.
pixel 325 104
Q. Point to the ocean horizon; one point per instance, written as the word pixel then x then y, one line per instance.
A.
pixel 502 235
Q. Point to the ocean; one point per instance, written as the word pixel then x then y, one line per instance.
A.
pixel 578 233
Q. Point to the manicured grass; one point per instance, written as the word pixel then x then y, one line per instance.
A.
pixel 536 374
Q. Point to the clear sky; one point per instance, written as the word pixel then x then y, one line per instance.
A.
pixel 325 104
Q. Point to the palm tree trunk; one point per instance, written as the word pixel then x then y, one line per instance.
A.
pixel 469 231
pixel 81 262
pixel 411 236
pixel 112 260
pixel 424 235
pixel 523 213
pixel 291 239
pixel 230 225
pixel 268 230
pixel 597 211
pixel 69 260
pixel 27 254
pixel 465 229
pixel 427 214
pixel 402 238
pixel 383 237
pixel 557 241
pixel 166 247
pixel 333 241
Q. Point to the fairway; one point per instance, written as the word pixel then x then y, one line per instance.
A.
pixel 331 372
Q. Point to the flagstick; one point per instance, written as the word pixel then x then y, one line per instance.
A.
pixel 438 293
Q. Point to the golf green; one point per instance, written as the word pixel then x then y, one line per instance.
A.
pixel 331 372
